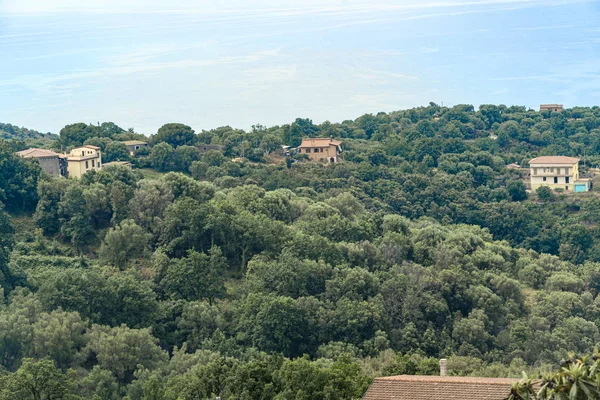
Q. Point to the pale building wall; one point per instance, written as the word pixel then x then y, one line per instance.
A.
pixel 50 165
pixel 78 158
pixel 555 176
pixel 324 155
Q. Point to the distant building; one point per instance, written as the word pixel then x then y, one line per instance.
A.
pixel 321 149
pixel 206 147
pixel 52 163
pixel 551 107
pixel 133 145
pixel 84 159
pixel 420 387
pixel 557 172
pixel 513 166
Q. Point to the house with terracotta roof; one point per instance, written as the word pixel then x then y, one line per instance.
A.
pixel 551 107
pixel 420 387
pixel 321 149
pixel 83 159
pixel 52 163
pixel 558 172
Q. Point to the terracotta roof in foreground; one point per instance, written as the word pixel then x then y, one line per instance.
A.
pixel 419 387
pixel 554 160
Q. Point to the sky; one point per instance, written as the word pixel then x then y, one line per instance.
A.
pixel 210 63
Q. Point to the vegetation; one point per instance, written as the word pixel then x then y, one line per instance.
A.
pixel 275 278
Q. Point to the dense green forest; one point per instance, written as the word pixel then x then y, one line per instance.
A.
pixel 24 136
pixel 244 274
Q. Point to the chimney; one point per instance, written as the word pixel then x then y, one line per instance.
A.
pixel 443 367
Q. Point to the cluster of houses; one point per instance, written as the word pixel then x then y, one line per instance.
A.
pixel 86 158
pixel 78 161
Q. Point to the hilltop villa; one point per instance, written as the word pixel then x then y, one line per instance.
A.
pixel 84 159
pixel 557 172
pixel 321 149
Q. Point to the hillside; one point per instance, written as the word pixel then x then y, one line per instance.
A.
pixel 12 132
pixel 243 273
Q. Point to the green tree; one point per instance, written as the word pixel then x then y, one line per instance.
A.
pixel 516 189
pixel 76 134
pixel 58 335
pixel 7 280
pixel 196 277
pixel 125 242
pixel 115 151
pixel 122 350
pixel 37 380
pixel 74 217
pixel 46 213
pixel 162 157
pixel 175 135
pixel 149 203
pixel 544 193
pixel 18 180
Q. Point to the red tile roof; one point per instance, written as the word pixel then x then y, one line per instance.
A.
pixel 554 160
pixel 319 142
pixel 419 387
pixel 37 153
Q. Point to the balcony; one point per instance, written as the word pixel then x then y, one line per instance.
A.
pixel 556 173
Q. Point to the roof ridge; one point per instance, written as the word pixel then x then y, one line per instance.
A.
pixel 449 379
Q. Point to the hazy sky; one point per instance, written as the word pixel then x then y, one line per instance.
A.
pixel 143 63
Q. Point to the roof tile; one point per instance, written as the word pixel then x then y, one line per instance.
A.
pixel 409 387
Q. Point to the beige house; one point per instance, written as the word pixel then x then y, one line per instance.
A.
pixel 321 149
pixel 551 107
pixel 83 159
pixel 557 172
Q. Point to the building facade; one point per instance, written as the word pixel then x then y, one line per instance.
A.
pixel 84 159
pixel 557 172
pixel 52 163
pixel 321 149
pixel 551 107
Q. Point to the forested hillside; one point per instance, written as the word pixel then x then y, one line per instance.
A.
pixel 25 137
pixel 244 274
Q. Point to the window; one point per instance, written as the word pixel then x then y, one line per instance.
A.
pixel 82 153
pixel 567 179
pixel 544 178
pixel 556 179
pixel 93 163
pixel 86 165
pixel 308 150
pixel 566 188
